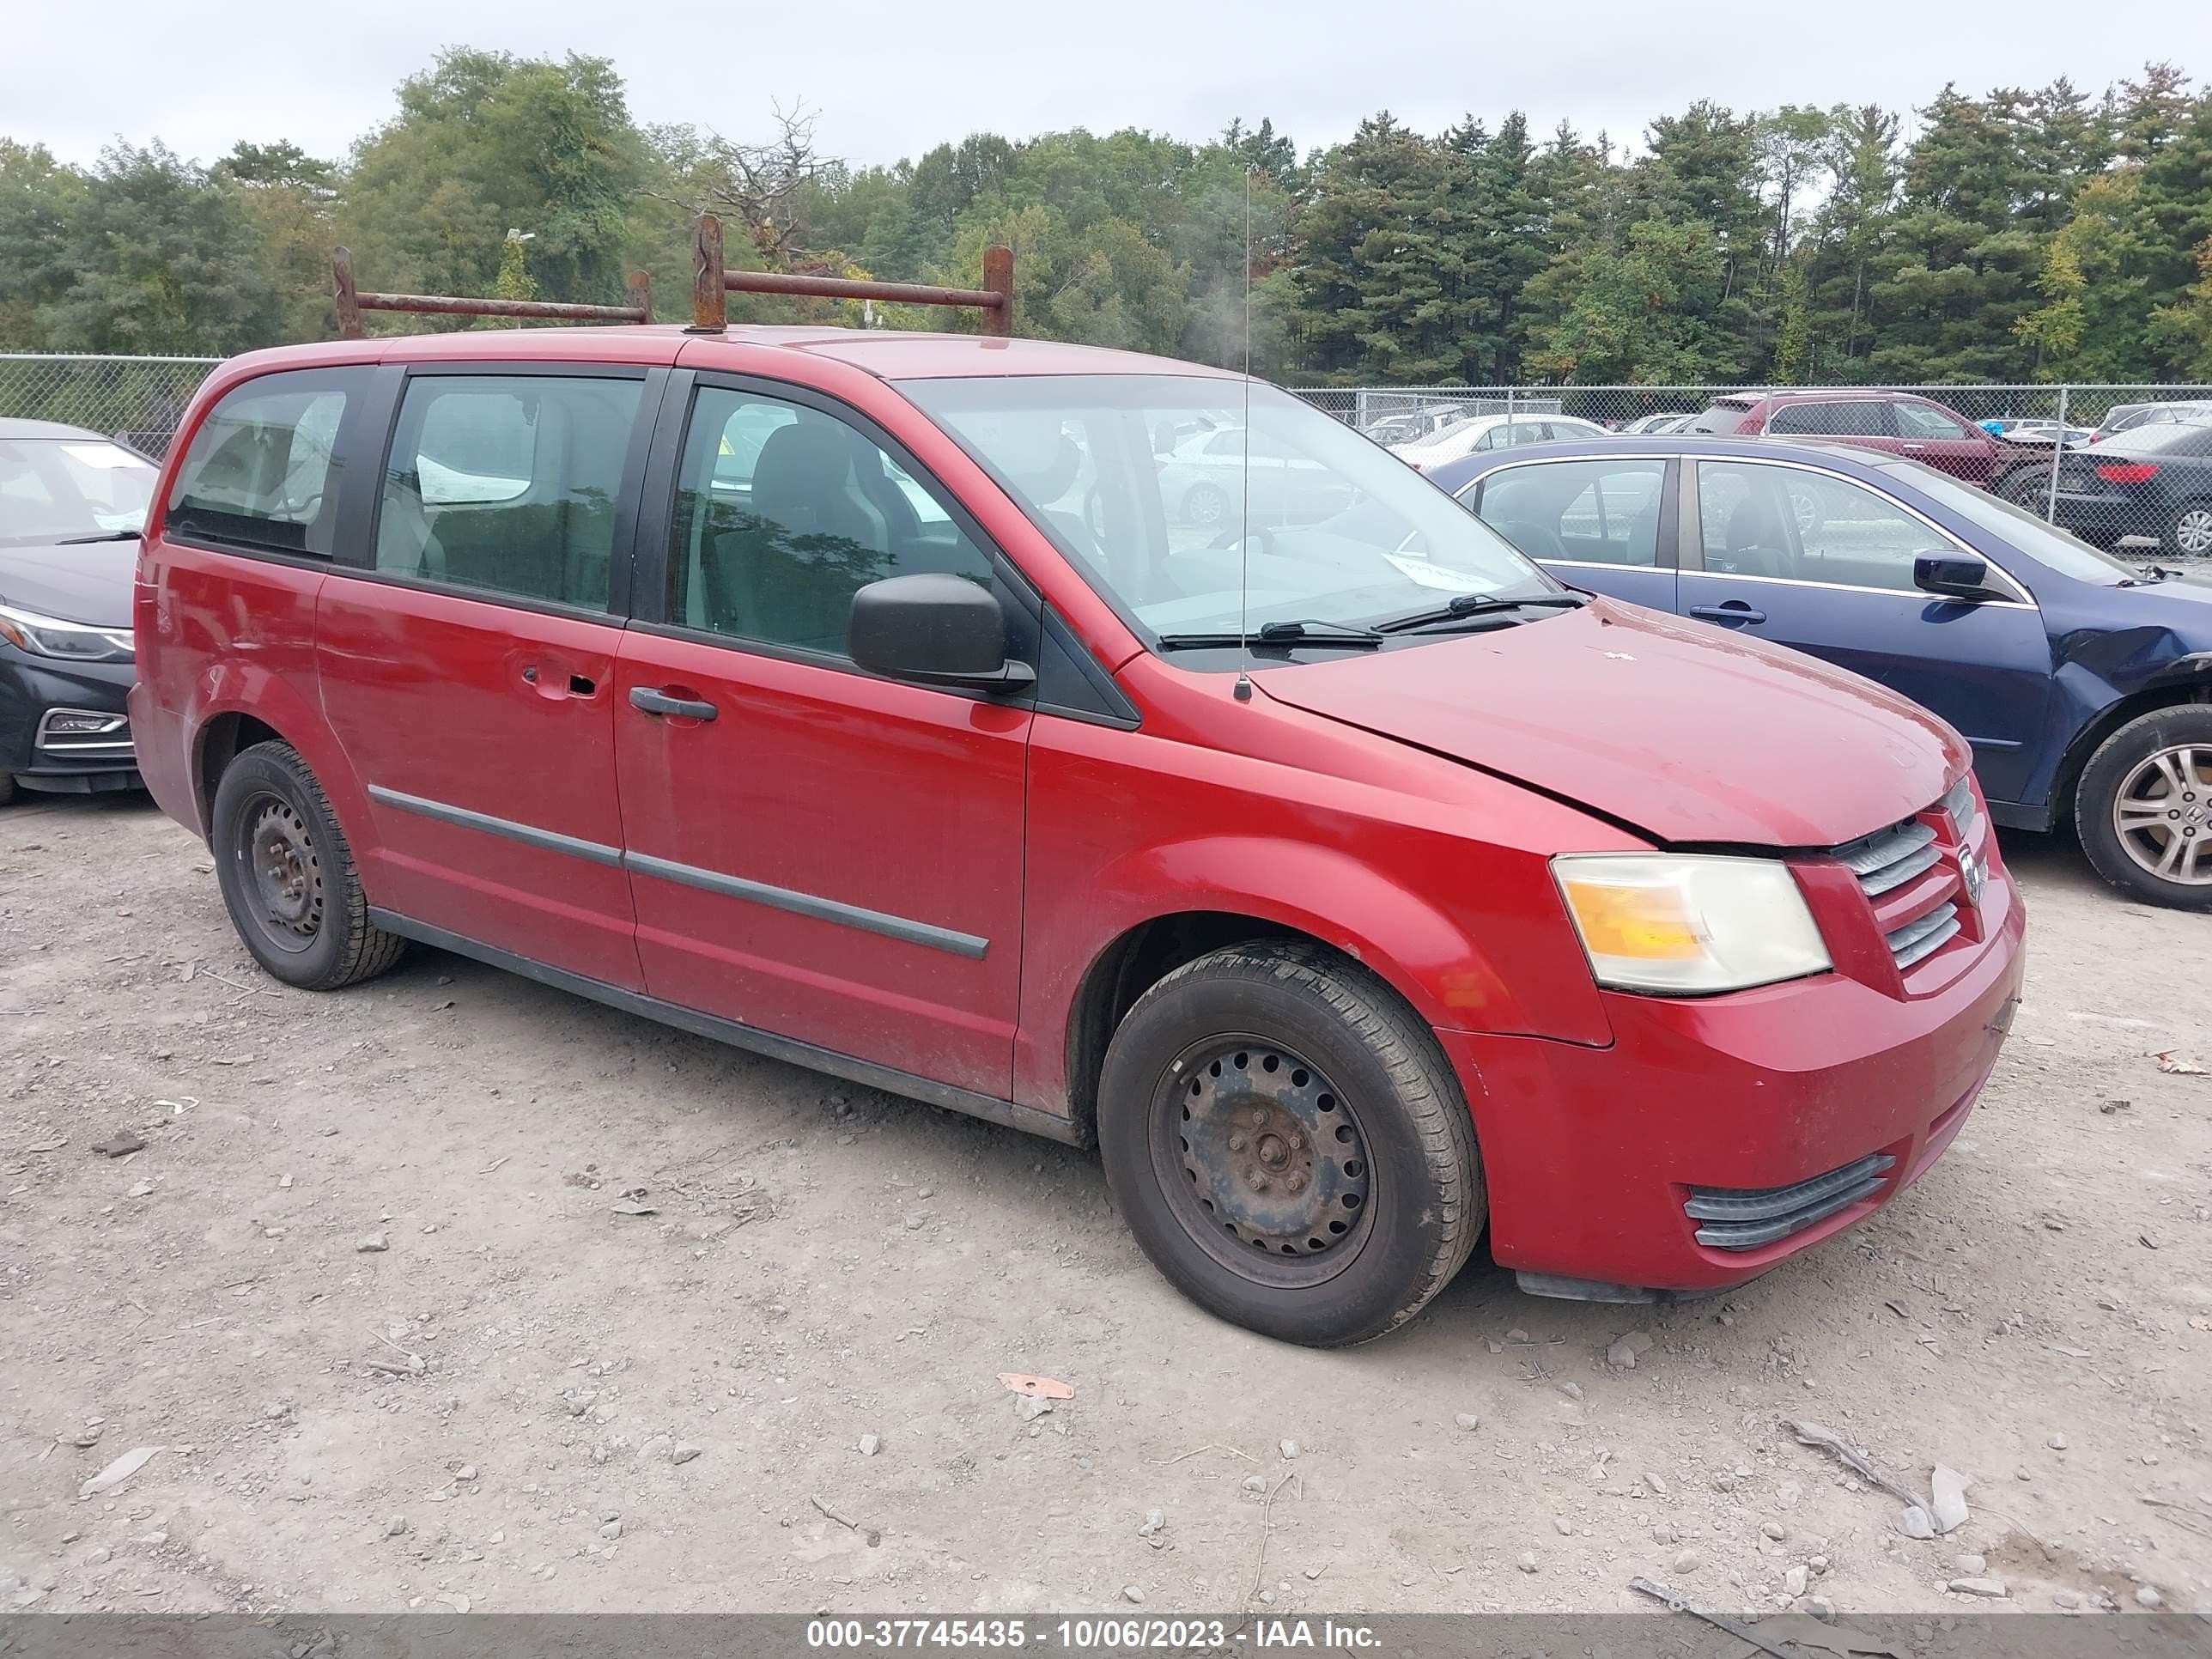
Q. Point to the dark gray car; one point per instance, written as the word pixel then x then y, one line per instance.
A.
pixel 71 505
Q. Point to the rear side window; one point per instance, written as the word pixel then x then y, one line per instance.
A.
pixel 1860 417
pixel 508 483
pixel 1721 417
pixel 1599 512
pixel 262 469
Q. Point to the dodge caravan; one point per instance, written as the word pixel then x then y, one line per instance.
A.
pixel 860 698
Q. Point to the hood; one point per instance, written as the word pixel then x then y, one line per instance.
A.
pixel 89 582
pixel 1684 732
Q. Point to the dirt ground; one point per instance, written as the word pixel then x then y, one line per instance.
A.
pixel 369 1290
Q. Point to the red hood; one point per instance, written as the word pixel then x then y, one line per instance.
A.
pixel 1684 732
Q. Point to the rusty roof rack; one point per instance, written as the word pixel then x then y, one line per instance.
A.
pixel 711 282
pixel 352 302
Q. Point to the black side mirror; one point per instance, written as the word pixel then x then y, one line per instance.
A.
pixel 936 630
pixel 1956 575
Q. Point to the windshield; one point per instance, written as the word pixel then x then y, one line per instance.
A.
pixel 1142 481
pixel 2019 529
pixel 59 490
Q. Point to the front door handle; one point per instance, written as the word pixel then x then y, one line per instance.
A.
pixel 651 700
pixel 1735 610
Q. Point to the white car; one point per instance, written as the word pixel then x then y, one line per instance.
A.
pixel 1488 432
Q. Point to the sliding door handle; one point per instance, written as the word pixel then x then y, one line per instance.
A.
pixel 650 700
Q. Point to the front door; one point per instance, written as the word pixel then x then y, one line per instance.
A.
pixel 470 670
pixel 1805 558
pixel 815 852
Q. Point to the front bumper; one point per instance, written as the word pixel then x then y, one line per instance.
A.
pixel 36 748
pixel 1594 1159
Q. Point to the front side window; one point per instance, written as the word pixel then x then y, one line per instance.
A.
pixel 70 489
pixel 783 512
pixel 1322 525
pixel 262 471
pixel 1778 521
pixel 1926 422
pixel 1599 512
pixel 508 483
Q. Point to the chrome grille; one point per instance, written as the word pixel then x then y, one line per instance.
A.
pixel 1739 1219
pixel 1890 858
pixel 1923 936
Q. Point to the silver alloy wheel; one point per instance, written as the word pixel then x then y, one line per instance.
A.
pixel 2162 814
pixel 2192 531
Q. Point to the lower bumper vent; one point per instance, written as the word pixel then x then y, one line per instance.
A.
pixel 1743 1219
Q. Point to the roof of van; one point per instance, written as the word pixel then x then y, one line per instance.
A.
pixel 887 354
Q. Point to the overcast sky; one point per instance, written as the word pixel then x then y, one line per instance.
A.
pixel 891 81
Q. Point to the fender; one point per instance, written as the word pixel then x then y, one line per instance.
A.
pixel 236 685
pixel 1427 955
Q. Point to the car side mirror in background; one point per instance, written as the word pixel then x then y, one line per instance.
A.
pixel 935 629
pixel 1958 575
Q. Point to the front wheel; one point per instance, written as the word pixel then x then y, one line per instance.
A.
pixel 1205 505
pixel 2188 534
pixel 2144 807
pixel 287 876
pixel 2029 487
pixel 1289 1146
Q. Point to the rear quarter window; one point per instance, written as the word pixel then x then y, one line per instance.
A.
pixel 262 469
pixel 1721 417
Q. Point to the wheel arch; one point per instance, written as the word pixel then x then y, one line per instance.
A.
pixel 2181 684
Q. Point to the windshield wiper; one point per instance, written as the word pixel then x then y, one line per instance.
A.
pixel 1278 633
pixel 1477 604
pixel 104 536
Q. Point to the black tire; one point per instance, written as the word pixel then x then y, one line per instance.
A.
pixel 2027 487
pixel 7 788
pixel 1204 504
pixel 2187 532
pixel 2131 763
pixel 287 876
pixel 1306 1040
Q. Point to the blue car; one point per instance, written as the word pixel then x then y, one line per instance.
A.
pixel 2084 682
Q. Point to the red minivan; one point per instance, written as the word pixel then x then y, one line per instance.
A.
pixel 857 698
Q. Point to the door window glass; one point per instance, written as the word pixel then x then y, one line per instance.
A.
pixel 1921 421
pixel 261 468
pixel 1859 418
pixel 508 483
pixel 1603 512
pixel 1765 520
pixel 784 513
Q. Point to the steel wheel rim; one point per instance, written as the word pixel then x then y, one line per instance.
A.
pixel 283 873
pixel 2162 814
pixel 1263 1161
pixel 2192 531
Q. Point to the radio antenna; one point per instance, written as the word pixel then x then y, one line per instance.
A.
pixel 1244 687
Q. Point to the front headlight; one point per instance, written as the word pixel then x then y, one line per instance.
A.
pixel 46 636
pixel 1683 924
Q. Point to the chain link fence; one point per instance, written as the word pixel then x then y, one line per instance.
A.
pixel 2115 465
pixel 2119 465
pixel 139 400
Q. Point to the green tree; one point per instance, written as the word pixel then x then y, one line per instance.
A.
pixel 40 203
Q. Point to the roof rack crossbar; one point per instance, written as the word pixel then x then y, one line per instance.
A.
pixel 352 301
pixel 711 280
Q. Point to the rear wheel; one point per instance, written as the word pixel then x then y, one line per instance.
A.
pixel 2188 534
pixel 1205 504
pixel 1289 1146
pixel 2144 807
pixel 287 876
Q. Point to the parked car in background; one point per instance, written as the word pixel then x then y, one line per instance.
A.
pixel 2154 480
pixel 1897 422
pixel 2083 684
pixel 1202 480
pixel 1416 426
pixel 2125 417
pixel 1484 433
pixel 71 505
pixel 2037 433
pixel 1341 880
pixel 1655 422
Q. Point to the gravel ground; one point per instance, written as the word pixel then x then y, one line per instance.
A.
pixel 453 1290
